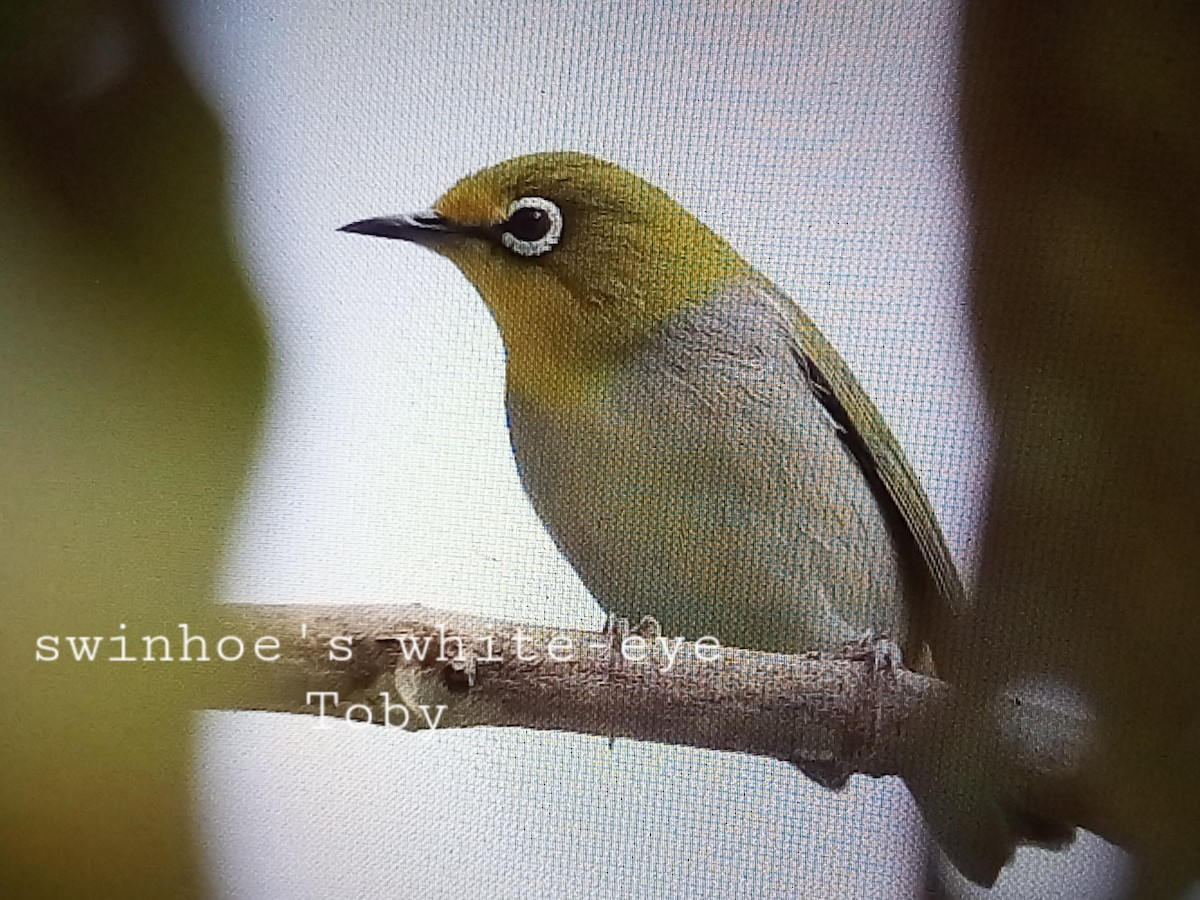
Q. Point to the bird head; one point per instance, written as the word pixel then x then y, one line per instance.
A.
pixel 577 259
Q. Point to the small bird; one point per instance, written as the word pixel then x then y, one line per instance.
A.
pixel 694 445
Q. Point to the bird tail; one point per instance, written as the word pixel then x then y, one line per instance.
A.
pixel 972 809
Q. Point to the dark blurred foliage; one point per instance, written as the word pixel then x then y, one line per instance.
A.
pixel 133 365
pixel 1081 129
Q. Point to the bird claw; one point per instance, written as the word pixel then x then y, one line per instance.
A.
pixel 648 628
pixel 879 650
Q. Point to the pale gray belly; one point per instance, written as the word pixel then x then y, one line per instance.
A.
pixel 708 488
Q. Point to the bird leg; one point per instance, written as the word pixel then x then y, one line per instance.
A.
pixel 878 649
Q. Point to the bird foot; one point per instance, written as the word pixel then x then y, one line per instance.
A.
pixel 878 649
pixel 648 628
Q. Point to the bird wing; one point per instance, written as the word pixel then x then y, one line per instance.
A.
pixel 879 455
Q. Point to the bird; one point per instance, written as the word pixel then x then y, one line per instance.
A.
pixel 697 449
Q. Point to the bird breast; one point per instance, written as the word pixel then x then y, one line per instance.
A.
pixel 707 487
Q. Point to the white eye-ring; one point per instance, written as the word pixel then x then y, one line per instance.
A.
pixel 533 226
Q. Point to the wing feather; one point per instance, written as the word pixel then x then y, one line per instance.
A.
pixel 879 455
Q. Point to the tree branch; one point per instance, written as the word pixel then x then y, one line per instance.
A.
pixel 833 715
pixel 845 711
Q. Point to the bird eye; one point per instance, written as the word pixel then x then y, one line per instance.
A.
pixel 533 226
pixel 528 224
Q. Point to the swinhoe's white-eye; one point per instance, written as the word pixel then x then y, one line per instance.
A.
pixel 697 449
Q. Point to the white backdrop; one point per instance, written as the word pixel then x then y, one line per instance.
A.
pixel 819 139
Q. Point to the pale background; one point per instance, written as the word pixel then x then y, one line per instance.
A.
pixel 818 138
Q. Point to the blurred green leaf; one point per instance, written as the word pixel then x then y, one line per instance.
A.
pixel 1081 126
pixel 133 361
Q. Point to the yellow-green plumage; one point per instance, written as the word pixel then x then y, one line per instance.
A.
pixel 580 325
pixel 699 451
